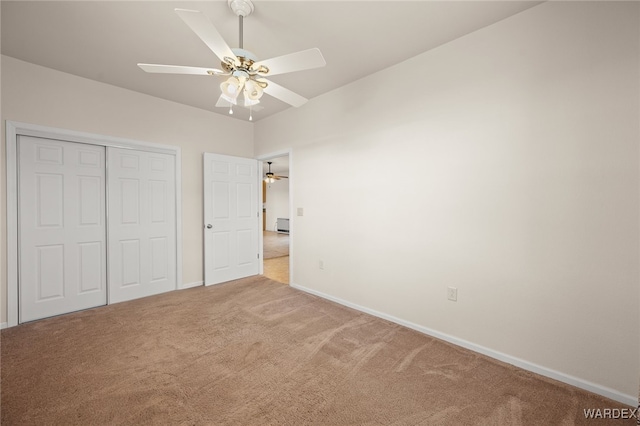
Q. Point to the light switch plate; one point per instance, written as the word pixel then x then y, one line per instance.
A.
pixel 452 294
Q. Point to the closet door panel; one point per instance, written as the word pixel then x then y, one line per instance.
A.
pixel 61 222
pixel 142 224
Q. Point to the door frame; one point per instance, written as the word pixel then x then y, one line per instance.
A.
pixel 292 223
pixel 15 129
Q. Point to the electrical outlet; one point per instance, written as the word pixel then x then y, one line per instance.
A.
pixel 300 211
pixel 452 294
pixel 321 264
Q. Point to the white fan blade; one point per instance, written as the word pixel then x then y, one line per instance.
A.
pixel 204 29
pixel 285 95
pixel 222 102
pixel 178 69
pixel 256 107
pixel 303 60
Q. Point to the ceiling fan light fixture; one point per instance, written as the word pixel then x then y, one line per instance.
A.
pixel 231 88
pixel 252 92
pixel 231 101
pixel 269 175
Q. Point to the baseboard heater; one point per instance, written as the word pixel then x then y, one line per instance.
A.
pixel 282 225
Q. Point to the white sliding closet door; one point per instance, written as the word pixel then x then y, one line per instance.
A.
pixel 61 222
pixel 142 224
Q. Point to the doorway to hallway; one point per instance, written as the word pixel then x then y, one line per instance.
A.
pixel 276 256
pixel 276 211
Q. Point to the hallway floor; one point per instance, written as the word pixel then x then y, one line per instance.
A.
pixel 276 256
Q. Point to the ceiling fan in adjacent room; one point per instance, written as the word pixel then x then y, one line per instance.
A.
pixel 246 74
pixel 272 177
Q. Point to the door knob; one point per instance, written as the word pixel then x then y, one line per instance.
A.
pixel 209 226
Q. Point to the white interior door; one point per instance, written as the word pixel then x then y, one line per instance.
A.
pixel 61 222
pixel 142 224
pixel 231 218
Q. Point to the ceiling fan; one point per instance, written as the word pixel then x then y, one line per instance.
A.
pixel 271 177
pixel 246 74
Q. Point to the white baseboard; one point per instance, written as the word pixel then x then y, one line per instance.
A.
pixel 193 284
pixel 3 325
pixel 526 365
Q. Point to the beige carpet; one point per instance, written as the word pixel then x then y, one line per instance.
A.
pixel 256 352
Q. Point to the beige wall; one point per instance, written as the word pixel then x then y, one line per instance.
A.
pixel 504 163
pixel 37 95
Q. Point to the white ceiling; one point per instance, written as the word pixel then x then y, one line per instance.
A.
pixel 104 40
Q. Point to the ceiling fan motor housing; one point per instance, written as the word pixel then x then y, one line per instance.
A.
pixel 245 60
